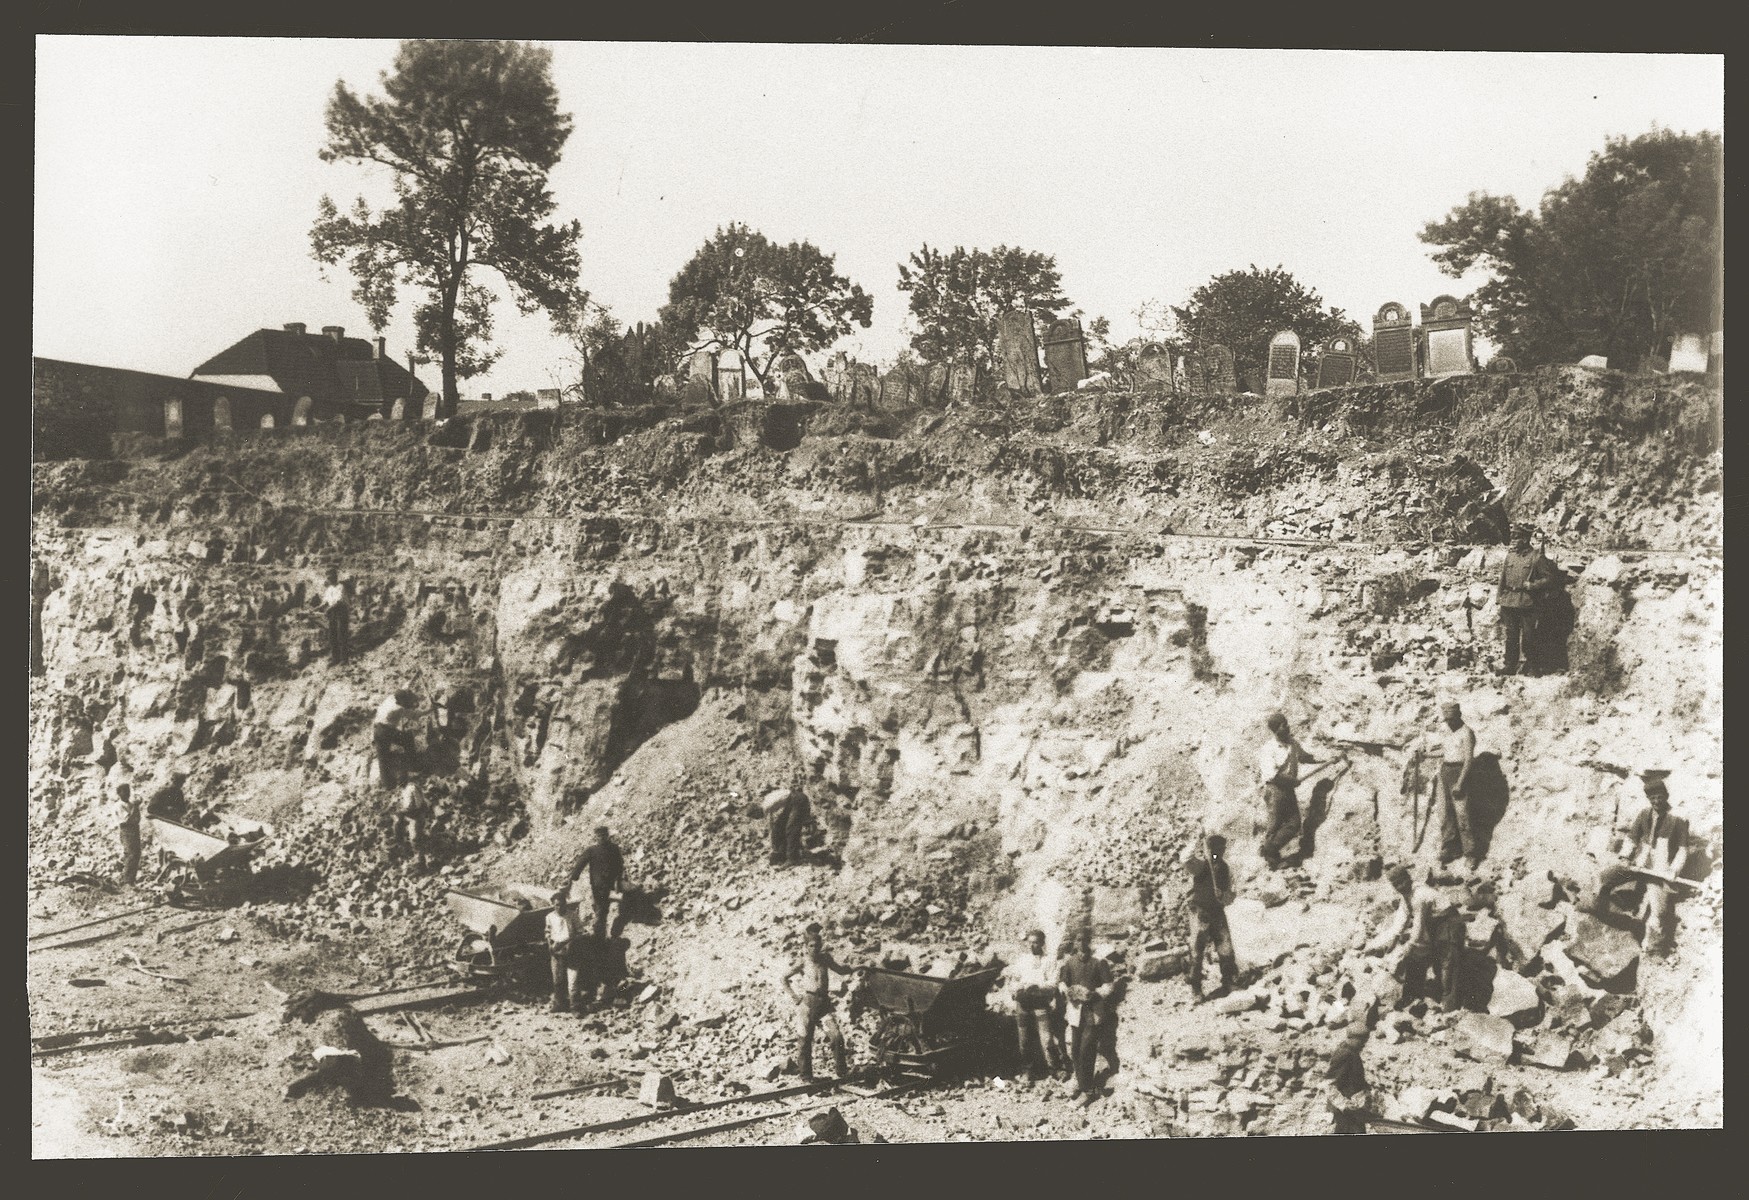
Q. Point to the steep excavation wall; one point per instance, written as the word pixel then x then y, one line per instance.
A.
pixel 1028 652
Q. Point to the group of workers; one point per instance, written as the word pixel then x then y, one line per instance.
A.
pixel 585 957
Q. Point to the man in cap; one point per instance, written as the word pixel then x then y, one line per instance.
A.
pixel 606 867
pixel 1211 890
pixel 563 937
pixel 1032 980
pixel 815 997
pixel 125 812
pixel 1656 842
pixel 1430 930
pixel 1524 578
pixel 1086 983
pixel 1455 746
pixel 390 736
pixel 1278 766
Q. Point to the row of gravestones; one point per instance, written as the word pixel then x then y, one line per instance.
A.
pixel 173 423
pixel 1017 348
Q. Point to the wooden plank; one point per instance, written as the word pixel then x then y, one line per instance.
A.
pixel 97 921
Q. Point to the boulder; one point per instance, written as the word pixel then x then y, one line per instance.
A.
pixel 1238 1002
pixel 1545 1048
pixel 1485 1038
pixel 1527 925
pixel 1515 998
pixel 1155 965
pixel 657 1089
pixel 1603 952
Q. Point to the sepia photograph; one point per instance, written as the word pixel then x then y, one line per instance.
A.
pixel 602 594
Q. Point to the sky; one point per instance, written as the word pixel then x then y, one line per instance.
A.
pixel 177 178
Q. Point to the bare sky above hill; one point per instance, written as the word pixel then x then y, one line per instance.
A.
pixel 177 178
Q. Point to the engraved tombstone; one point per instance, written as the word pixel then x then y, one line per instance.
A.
pixel 1336 363
pixel 1065 355
pixel 1283 376
pixel 222 413
pixel 1154 366
pixel 173 418
pixel 301 411
pixel 397 410
pixel 267 420
pixel 1019 350
pixel 1393 342
pixel 428 410
pixel 1219 376
pixel 1191 379
pixel 961 383
pixel 731 380
pixel 792 377
pixel 546 397
pixel 1445 324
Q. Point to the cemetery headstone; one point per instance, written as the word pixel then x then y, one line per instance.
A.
pixel 1393 342
pixel 1688 353
pixel 962 383
pixel 301 411
pixel 1219 376
pixel 267 420
pixel 1501 365
pixel 428 410
pixel 936 378
pixel 1283 377
pixel 1065 355
pixel 173 418
pixel 1019 352
pixel 702 365
pixel 397 410
pixel 1336 363
pixel 546 397
pixel 1445 324
pixel 222 413
pixel 731 377
pixel 698 393
pixel 792 377
pixel 1195 380
pixel 666 387
pixel 1154 366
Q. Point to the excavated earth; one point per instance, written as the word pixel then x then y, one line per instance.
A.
pixel 1026 652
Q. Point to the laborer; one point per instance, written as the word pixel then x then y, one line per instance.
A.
pixel 125 808
pixel 606 867
pixel 1211 890
pixel 169 801
pixel 1524 578
pixel 1106 1044
pixel 1032 980
pixel 1278 765
pixel 1085 982
pixel 390 736
pixel 563 935
pixel 339 613
pixel 1456 748
pixel 1430 930
pixel 815 998
pixel 788 812
pixel 1349 1097
pixel 1656 841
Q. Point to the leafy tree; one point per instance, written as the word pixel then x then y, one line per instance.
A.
pixel 615 364
pixel 1243 310
pixel 742 290
pixel 1617 260
pixel 470 131
pixel 958 297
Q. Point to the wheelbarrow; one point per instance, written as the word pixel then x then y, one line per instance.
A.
pixel 505 925
pixel 928 1025
pixel 196 865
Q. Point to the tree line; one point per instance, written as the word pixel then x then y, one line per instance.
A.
pixel 1613 262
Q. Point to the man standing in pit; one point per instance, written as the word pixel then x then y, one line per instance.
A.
pixel 1431 931
pixel 788 812
pixel 606 867
pixel 815 997
pixel 1456 748
pixel 339 618
pixel 1086 983
pixel 126 813
pixel 1033 982
pixel 563 935
pixel 1211 890
pixel 1656 842
pixel 1278 765
pixel 390 736
pixel 1524 578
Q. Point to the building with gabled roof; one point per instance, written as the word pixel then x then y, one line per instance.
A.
pixel 335 371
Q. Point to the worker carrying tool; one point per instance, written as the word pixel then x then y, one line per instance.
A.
pixel 1652 856
pixel 1278 766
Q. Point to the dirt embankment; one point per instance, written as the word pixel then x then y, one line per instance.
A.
pixel 1025 655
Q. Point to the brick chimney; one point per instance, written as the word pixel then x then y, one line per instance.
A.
pixel 380 345
pixel 294 327
pixel 334 331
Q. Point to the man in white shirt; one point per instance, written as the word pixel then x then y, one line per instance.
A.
pixel 1032 980
pixel 1278 767
pixel 125 812
pixel 390 737
pixel 1455 746
pixel 339 618
pixel 564 933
